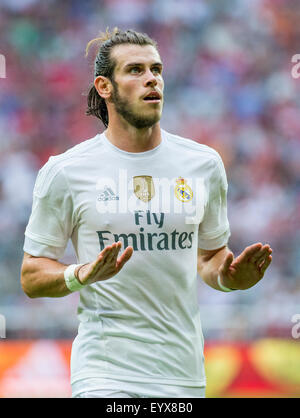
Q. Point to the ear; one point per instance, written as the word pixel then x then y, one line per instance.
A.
pixel 103 86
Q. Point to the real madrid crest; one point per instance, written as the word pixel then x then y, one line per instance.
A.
pixel 143 187
pixel 183 192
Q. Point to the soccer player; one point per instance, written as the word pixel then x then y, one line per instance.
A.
pixel 159 197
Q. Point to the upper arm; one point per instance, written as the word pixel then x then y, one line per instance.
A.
pixel 206 255
pixel 210 259
pixel 52 201
pixel 51 221
pixel 214 230
pixel 26 258
pixel 27 261
pixel 25 268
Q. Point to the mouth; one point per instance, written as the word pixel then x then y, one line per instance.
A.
pixel 152 97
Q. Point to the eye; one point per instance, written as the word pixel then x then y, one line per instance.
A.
pixel 135 70
pixel 156 70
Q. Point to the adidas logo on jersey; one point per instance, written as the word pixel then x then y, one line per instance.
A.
pixel 107 194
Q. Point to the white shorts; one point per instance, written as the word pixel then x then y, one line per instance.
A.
pixel 108 388
pixel 108 393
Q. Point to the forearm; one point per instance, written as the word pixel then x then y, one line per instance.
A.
pixel 208 267
pixel 43 277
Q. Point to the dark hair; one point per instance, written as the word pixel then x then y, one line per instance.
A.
pixel 104 65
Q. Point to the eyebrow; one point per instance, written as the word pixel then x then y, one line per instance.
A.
pixel 133 64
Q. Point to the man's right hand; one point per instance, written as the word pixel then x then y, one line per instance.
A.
pixel 105 266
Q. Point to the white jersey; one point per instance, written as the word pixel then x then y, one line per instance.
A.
pixel 141 326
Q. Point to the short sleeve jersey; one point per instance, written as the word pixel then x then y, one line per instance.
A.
pixel 143 324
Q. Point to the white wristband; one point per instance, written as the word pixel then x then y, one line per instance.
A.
pixel 224 288
pixel 71 280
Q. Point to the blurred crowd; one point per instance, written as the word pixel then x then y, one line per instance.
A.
pixel 228 84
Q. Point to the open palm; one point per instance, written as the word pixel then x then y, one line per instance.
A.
pixel 247 269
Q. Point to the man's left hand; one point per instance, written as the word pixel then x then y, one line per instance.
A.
pixel 247 269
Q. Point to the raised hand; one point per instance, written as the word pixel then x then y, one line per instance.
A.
pixel 106 265
pixel 247 269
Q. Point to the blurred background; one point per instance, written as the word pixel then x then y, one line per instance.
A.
pixel 228 84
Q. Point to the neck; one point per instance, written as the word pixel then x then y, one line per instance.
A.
pixel 131 139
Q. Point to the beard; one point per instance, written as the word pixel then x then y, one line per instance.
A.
pixel 124 108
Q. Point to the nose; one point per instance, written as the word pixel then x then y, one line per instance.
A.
pixel 150 80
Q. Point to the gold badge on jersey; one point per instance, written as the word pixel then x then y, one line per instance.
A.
pixel 183 192
pixel 143 187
